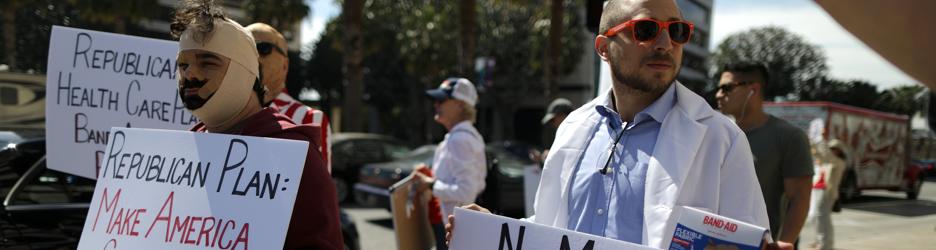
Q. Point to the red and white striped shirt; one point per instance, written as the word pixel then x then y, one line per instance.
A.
pixel 302 114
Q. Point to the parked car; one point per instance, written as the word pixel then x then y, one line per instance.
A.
pixel 350 151
pixel 46 209
pixel 503 193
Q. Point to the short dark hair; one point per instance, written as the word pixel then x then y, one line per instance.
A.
pixel 613 14
pixel 755 69
pixel 197 14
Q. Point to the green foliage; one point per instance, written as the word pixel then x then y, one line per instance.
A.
pixel 115 11
pixel 855 93
pixel 411 45
pixel 33 21
pixel 900 99
pixel 281 14
pixel 796 66
pixel 31 31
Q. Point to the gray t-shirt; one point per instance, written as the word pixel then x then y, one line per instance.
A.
pixel 780 150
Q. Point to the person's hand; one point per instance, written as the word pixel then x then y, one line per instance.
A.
pixel 419 167
pixel 536 156
pixel 450 226
pixel 779 245
pixel 422 182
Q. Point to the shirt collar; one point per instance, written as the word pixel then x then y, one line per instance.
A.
pixel 462 125
pixel 656 111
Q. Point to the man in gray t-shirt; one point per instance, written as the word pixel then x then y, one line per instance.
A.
pixel 780 150
pixel 782 158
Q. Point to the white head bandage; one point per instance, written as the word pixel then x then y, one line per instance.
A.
pixel 229 39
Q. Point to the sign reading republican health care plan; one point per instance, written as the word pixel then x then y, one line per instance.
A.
pixel 165 189
pixel 97 80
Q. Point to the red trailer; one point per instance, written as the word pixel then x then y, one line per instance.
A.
pixel 878 144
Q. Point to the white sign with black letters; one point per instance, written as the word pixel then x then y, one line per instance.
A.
pixel 476 230
pixel 97 80
pixel 165 189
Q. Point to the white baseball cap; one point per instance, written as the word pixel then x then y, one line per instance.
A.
pixel 455 88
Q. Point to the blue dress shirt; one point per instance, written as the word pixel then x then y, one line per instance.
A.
pixel 611 204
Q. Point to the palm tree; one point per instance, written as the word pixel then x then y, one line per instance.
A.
pixel 553 50
pixel 116 12
pixel 9 30
pixel 281 14
pixel 351 12
pixel 467 24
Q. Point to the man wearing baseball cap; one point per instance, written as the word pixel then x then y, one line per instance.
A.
pixel 557 111
pixel 458 166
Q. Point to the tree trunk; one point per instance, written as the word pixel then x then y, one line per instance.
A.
pixel 9 37
pixel 120 25
pixel 467 24
pixel 553 50
pixel 353 55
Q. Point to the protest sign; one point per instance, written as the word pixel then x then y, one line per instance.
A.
pixel 477 230
pixel 164 189
pixel 410 216
pixel 98 80
pixel 697 229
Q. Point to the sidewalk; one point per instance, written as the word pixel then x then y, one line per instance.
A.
pixel 857 229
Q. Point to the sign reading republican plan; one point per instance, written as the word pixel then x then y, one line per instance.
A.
pixel 166 189
pixel 98 80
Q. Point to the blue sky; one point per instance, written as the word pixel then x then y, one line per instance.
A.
pixel 314 24
pixel 848 58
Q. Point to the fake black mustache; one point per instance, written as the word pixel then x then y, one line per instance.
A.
pixel 193 102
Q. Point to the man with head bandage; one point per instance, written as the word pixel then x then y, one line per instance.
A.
pixel 219 82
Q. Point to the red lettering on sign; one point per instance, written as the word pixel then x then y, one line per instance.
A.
pixel 200 231
pixel 108 206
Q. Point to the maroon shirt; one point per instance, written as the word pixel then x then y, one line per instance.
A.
pixel 314 223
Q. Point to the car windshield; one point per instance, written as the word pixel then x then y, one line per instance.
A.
pixel 7 138
pixel 508 163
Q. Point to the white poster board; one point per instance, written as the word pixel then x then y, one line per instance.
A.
pixel 476 230
pixel 164 189
pixel 98 80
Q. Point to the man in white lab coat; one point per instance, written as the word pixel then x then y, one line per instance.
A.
pixel 623 162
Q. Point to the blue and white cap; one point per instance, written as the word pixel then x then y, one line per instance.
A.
pixel 455 88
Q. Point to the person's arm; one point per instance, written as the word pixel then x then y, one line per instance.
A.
pixel 797 170
pixel 797 190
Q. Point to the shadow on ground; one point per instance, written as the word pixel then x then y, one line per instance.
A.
pixel 892 206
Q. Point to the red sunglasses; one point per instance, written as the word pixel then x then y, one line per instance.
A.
pixel 648 30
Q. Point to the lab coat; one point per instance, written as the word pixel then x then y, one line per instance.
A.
pixel 701 159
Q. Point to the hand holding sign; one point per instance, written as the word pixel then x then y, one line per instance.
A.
pixel 450 226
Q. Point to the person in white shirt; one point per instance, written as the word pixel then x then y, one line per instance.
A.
pixel 459 165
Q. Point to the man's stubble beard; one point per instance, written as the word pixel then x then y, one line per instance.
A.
pixel 641 84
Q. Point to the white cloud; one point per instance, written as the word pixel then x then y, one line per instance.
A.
pixel 848 57
pixel 314 25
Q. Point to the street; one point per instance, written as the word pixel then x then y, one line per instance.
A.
pixel 875 220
